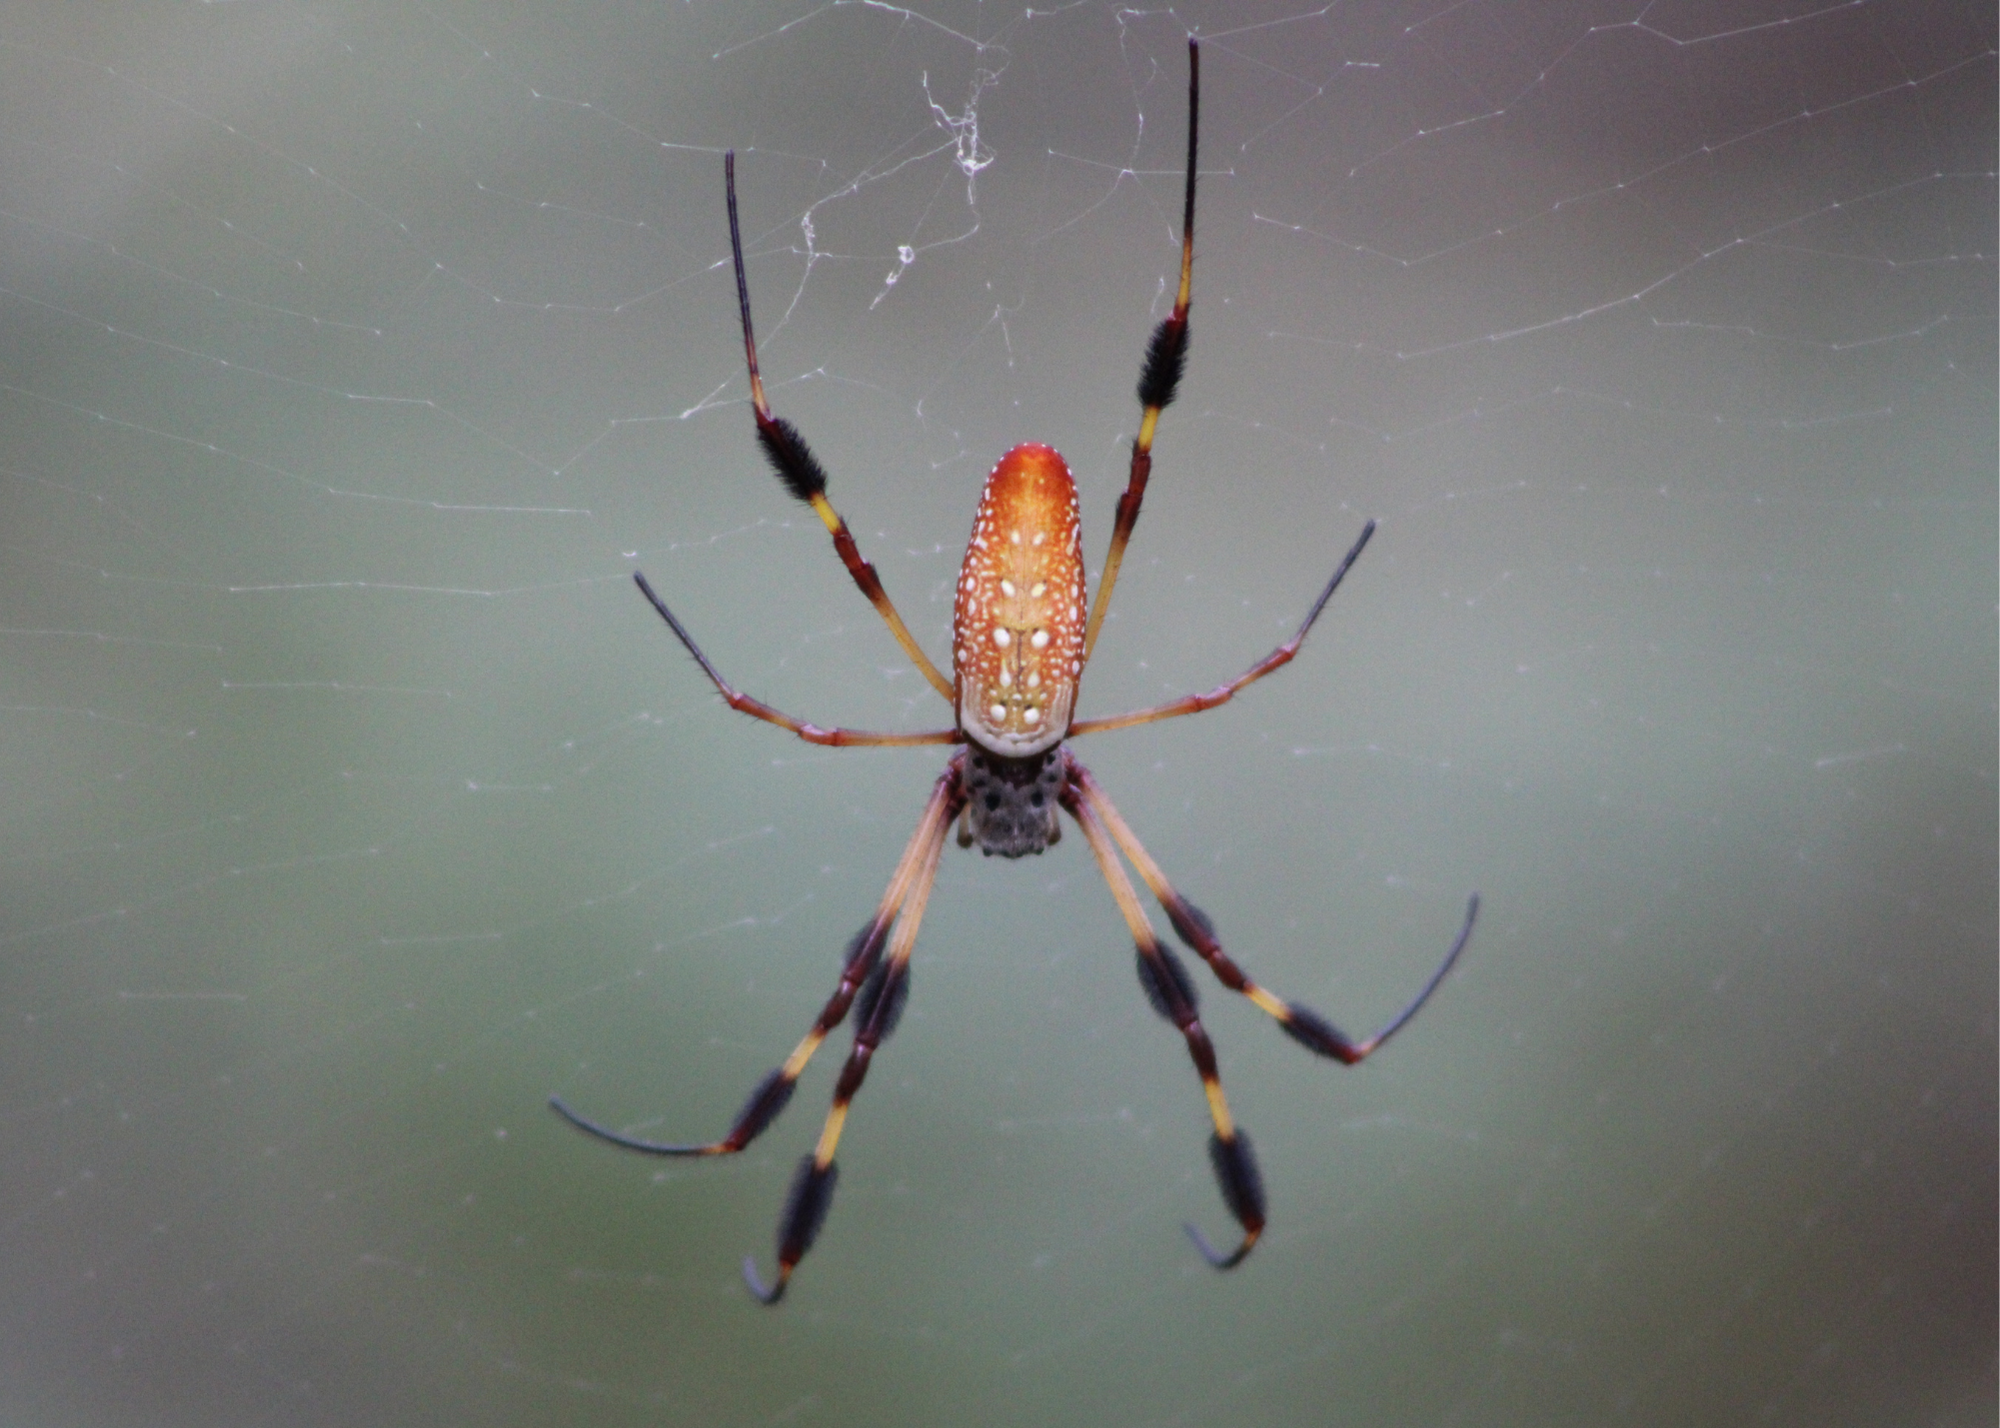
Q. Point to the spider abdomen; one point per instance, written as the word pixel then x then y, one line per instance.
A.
pixel 1017 628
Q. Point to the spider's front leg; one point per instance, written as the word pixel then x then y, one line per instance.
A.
pixel 1171 991
pixel 882 998
pixel 1302 1024
pixel 774 1092
pixel 879 987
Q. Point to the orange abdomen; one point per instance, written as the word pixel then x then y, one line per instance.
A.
pixel 1017 630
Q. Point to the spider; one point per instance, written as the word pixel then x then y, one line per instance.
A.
pixel 1020 641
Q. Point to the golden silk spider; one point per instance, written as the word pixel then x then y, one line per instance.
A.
pixel 1019 645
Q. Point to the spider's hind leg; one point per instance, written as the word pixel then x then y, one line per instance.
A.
pixel 800 470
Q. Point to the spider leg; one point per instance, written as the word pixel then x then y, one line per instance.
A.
pixel 862 958
pixel 882 998
pixel 1172 994
pixel 802 474
pixel 758 709
pixel 1223 693
pixel 1302 1024
pixel 1159 378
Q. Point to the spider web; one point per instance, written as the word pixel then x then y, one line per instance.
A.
pixel 356 353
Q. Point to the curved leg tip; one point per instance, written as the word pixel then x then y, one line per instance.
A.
pixel 562 1108
pixel 762 1294
pixel 627 1142
pixel 1215 1256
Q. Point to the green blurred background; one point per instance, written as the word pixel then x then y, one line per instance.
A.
pixel 355 353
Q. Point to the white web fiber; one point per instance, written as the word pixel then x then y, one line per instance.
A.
pixel 353 356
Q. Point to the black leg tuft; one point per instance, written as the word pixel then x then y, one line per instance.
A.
pixel 806 1207
pixel 772 1095
pixel 1242 1192
pixel 888 981
pixel 792 459
pixel 1166 360
pixel 1193 926
pixel 1236 1171
pixel 1173 1003
pixel 1318 1035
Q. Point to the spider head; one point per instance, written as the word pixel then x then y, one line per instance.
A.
pixel 1010 804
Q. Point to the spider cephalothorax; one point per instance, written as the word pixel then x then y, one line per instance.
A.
pixel 1020 641
pixel 1010 804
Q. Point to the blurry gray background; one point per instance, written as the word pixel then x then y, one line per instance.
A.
pixel 355 353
